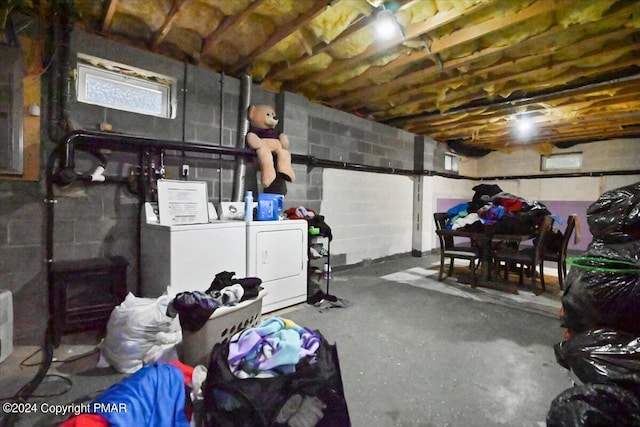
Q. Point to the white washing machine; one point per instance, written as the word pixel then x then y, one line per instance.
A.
pixel 277 254
pixel 188 257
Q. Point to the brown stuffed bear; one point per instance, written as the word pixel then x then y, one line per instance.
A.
pixel 267 142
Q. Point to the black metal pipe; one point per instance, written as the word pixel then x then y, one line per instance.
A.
pixel 551 175
pixel 239 178
pixel 91 140
pixel 141 193
pixel 313 161
pixel 184 102
pixel 333 164
pixel 107 179
pixel 221 135
pixel 49 201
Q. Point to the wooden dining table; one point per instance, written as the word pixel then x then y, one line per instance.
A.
pixel 483 240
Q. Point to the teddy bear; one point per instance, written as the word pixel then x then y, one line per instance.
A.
pixel 269 143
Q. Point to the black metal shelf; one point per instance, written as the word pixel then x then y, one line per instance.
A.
pixel 327 273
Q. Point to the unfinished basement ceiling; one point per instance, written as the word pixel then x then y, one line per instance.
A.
pixel 461 71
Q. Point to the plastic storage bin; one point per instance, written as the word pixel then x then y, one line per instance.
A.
pixel 221 326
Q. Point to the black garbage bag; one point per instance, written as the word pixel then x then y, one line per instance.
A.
pixel 601 292
pixel 313 395
pixel 482 195
pixel 627 251
pixel 615 216
pixel 603 355
pixel 533 215
pixel 594 405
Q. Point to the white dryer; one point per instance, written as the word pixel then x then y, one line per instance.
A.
pixel 277 254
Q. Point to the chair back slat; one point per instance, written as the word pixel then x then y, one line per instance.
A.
pixel 441 219
pixel 571 225
pixel 543 233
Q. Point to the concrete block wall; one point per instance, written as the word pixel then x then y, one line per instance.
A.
pixel 306 190
pixel 370 214
pixel 356 205
pixel 619 154
pixel 343 137
pixel 22 225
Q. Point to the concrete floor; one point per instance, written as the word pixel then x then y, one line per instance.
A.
pixel 413 352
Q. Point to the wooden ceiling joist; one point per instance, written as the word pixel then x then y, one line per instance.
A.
pixel 110 10
pixel 476 92
pixel 353 100
pixel 176 6
pixel 227 24
pixel 458 74
pixel 277 36
pixel 375 49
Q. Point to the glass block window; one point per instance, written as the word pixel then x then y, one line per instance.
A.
pixel 451 162
pixel 561 161
pixel 125 88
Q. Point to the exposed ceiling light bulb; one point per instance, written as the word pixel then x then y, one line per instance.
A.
pixel 524 126
pixel 386 25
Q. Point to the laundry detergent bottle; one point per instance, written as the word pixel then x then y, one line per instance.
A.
pixel 248 206
pixel 270 206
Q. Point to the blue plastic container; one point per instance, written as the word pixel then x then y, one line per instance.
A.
pixel 270 206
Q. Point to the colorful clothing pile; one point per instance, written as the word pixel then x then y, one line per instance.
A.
pixel 272 348
pixel 312 396
pixel 505 212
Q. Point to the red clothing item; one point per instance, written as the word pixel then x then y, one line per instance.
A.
pixel 511 205
pixel 85 420
pixel 187 370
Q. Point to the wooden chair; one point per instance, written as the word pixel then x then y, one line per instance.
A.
pixel 529 257
pixel 560 257
pixel 449 249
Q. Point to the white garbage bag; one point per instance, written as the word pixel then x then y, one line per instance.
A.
pixel 139 332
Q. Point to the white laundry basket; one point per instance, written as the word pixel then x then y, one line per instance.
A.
pixel 221 326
